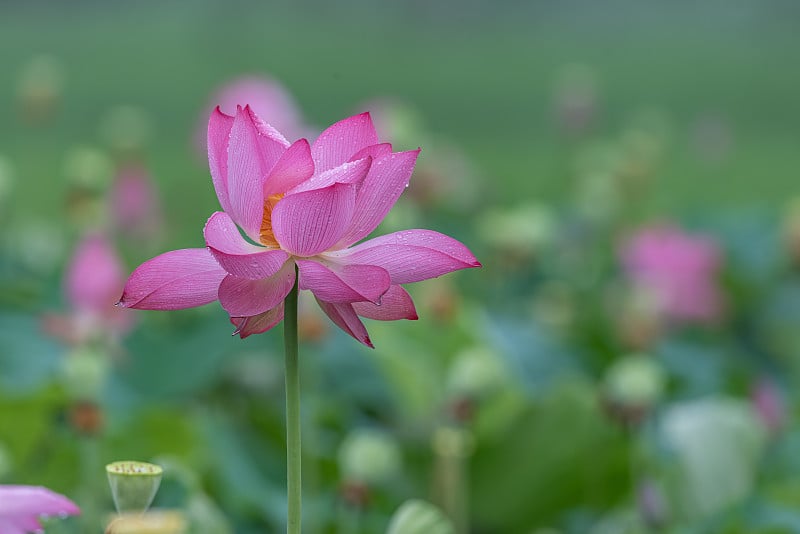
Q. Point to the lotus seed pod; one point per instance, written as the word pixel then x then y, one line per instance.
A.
pixel 419 517
pixel 636 381
pixel 476 373
pixel 369 456
pixel 133 485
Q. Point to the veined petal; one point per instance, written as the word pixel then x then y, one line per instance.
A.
pixel 410 255
pixel 18 501
pixel 395 304
pixel 257 324
pixel 308 223
pixel 340 141
pixel 343 283
pixel 173 281
pixel 253 151
pixel 242 297
pixel 345 318
pixel 387 179
pixel 374 151
pixel 235 254
pixel 219 134
pixel 352 172
pixel 294 167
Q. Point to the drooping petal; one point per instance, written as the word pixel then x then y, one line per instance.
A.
pixel 410 255
pixel 345 318
pixel 343 283
pixel 20 525
pixel 235 254
pixel 294 167
pixel 352 172
pixel 20 501
pixel 242 297
pixel 387 179
pixel 219 134
pixel 340 141
pixel 173 281
pixel 253 150
pixel 257 324
pixel 310 222
pixel 374 151
pixel 395 304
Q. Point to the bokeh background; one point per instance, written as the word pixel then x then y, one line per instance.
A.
pixel 627 360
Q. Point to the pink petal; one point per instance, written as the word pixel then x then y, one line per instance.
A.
pixel 237 256
pixel 374 151
pixel 173 281
pixel 94 276
pixel 410 255
pixel 352 172
pixel 395 304
pixel 257 324
pixel 253 151
pixel 219 133
pixel 294 167
pixel 340 141
pixel 345 318
pixel 16 502
pixel 387 179
pixel 310 222
pixel 343 283
pixel 242 297
pixel 20 525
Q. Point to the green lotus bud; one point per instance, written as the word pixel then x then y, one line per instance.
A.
pixel 88 168
pixel 369 456
pixel 635 380
pixel 133 485
pixel 419 517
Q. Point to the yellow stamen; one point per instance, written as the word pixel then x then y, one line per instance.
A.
pixel 267 236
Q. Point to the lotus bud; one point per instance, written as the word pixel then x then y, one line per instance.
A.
pixel 133 485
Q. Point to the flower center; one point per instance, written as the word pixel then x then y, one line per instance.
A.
pixel 266 235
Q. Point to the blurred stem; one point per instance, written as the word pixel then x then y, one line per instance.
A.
pixel 293 479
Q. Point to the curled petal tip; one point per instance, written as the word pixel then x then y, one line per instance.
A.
pixel 413 317
pixel 476 263
pixel 368 342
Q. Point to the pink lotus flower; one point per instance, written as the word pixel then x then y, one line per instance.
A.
pixel 266 97
pixel 678 269
pixel 94 277
pixel 134 203
pixel 300 206
pixel 21 507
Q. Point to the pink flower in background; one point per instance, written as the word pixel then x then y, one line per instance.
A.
pixel 93 279
pixel 770 404
pixel 302 206
pixel 22 506
pixel 134 204
pixel 678 269
pixel 267 98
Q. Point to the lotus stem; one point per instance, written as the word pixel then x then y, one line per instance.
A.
pixel 293 450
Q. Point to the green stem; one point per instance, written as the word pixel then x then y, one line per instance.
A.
pixel 293 479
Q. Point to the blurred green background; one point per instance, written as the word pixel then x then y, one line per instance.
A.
pixel 540 394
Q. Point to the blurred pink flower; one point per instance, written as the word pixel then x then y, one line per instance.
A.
pixel 267 98
pixel 22 506
pixel 769 404
pixel 304 206
pixel 678 269
pixel 134 204
pixel 93 280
